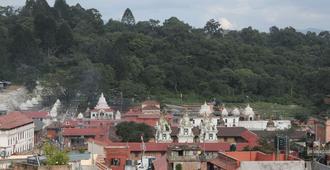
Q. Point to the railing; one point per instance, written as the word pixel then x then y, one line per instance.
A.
pixel 184 158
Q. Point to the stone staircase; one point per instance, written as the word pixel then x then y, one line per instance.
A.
pixel 100 163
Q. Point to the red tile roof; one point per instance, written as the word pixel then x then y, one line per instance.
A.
pixel 150 102
pixel 150 108
pixel 249 136
pixel 133 112
pixel 36 115
pixel 13 120
pixel 81 131
pixel 149 116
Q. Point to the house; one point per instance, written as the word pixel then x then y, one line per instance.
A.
pixel 254 160
pixel 78 137
pixel 53 130
pixel 150 107
pixel 188 157
pixel 148 113
pixel 117 154
pixel 16 133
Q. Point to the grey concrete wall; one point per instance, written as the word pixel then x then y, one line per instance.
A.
pixel 272 165
pixel 319 166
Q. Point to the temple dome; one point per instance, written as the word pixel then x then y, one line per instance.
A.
pixel 248 111
pixel 102 103
pixel 54 110
pixel 224 112
pixel 185 121
pixel 205 108
pixel 235 112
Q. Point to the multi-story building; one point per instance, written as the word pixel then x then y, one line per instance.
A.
pixel 16 133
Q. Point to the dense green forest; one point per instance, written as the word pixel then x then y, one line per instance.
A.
pixel 76 55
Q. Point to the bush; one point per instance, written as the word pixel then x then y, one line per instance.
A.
pixel 178 167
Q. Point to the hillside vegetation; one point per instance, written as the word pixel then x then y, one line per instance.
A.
pixel 77 55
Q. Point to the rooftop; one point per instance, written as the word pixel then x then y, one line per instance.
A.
pixel 257 156
pixel 13 120
pixel 162 147
pixel 81 131
pixel 36 115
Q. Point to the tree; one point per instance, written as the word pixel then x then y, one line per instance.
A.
pixel 45 29
pixel 132 132
pixel 128 17
pixel 64 39
pixel 54 155
pixel 213 27
pixel 62 9
pixel 24 48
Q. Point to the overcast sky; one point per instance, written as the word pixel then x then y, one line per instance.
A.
pixel 232 14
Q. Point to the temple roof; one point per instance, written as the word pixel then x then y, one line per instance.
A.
pixel 248 111
pixel 102 103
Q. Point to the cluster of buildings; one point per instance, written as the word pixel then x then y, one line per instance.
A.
pixel 188 138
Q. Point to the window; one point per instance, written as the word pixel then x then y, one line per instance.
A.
pixel 234 120
pixel 225 120
pixel 218 121
pixel 115 162
pixel 180 153
pixel 250 118
pixel 211 136
pixel 164 136
pixel 185 131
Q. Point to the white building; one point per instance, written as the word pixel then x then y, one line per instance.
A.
pixel 16 133
pixel 237 118
pixel 231 121
pixel 185 134
pixel 206 109
pixel 262 124
pixel 163 131
pixel 103 111
pixel 208 130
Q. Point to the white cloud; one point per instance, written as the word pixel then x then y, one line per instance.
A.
pixel 225 23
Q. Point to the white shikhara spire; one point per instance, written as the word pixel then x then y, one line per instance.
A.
pixel 102 103
pixel 235 112
pixel 53 112
pixel 224 112
pixel 118 115
pixel 248 111
pixel 205 108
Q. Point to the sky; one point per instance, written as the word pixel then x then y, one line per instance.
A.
pixel 232 14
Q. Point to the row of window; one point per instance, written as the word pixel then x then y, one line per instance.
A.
pixel 22 148
pixel 19 136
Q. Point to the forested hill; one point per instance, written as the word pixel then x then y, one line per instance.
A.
pixel 76 54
